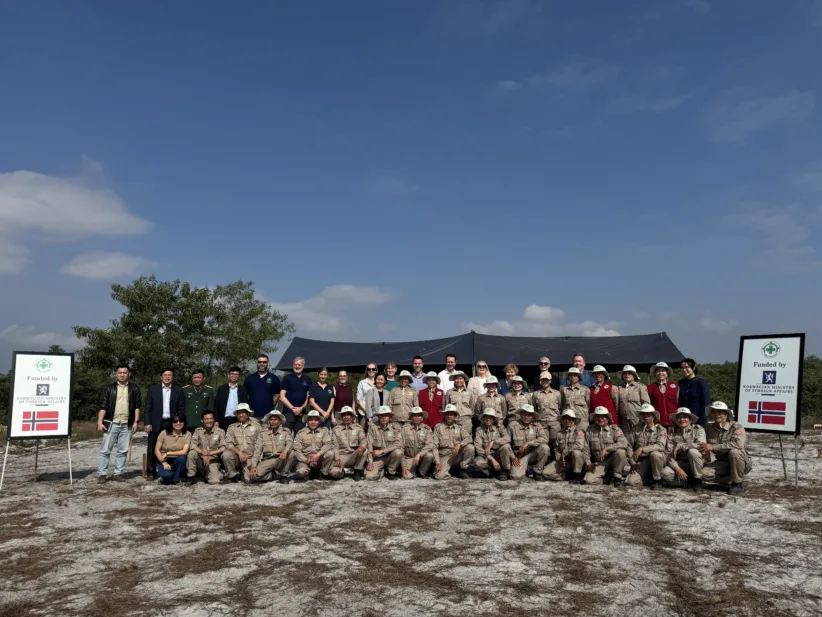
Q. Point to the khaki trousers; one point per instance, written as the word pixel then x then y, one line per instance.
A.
pixel 420 469
pixel 537 457
pixel 733 467
pixel 466 424
pixel 574 463
pixel 390 460
pixel 691 461
pixel 195 465
pixel 612 466
pixel 504 456
pixel 233 465
pixel 648 465
pixel 450 460
pixel 323 464
pixel 350 461
pixel 268 467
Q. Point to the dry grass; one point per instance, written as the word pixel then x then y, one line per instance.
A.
pixel 211 556
pixel 17 608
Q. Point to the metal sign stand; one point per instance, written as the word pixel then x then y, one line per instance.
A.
pixel 36 457
pixel 5 458
pixel 36 462
pixel 782 456
pixel 796 460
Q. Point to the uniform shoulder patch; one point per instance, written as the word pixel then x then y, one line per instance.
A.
pixel 739 431
pixel 580 433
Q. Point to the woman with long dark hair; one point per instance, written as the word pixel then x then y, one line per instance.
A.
pixel 172 450
pixel 694 392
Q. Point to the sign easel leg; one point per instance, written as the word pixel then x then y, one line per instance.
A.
pixel 5 458
pixel 796 461
pixel 782 454
pixel 71 478
pixel 36 457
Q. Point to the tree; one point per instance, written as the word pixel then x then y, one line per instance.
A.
pixel 172 324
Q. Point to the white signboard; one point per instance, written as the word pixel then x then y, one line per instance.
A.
pixel 41 395
pixel 769 386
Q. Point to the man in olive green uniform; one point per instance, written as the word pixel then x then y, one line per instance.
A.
pixel 728 443
pixel 492 445
pixel 573 451
pixel 547 404
pixel 240 443
pixel 384 446
pixel 529 441
pixel 453 450
pixel 401 400
pixel 463 400
pixel 198 398
pixel 207 447
pixel 686 462
pixel 350 446
pixel 649 441
pixel 274 451
pixel 418 446
pixel 492 399
pixel 313 448
pixel 609 450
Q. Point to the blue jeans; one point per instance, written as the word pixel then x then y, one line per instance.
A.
pixel 172 476
pixel 118 434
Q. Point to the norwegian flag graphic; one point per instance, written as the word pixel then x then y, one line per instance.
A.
pixel 39 421
pixel 766 412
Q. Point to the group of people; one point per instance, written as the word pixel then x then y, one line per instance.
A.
pixel 402 424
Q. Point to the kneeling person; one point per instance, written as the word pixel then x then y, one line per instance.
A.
pixel 573 452
pixel 240 443
pixel 492 445
pixel 453 450
pixel 418 446
pixel 649 440
pixel 313 448
pixel 207 447
pixel 384 446
pixel 350 446
pixel 609 450
pixel 529 441
pixel 687 460
pixel 273 454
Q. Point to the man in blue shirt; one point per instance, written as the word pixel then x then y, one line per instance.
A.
pixel 263 388
pixel 295 396
pixel 587 380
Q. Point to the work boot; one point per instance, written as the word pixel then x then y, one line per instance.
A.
pixel 284 479
pixel 462 474
pixel 235 478
pixel 656 485
pixel 190 481
pixel 101 479
pixel 359 475
pixel 617 482
pixel 503 476
pixel 736 488
pixel 579 478
pixel 118 478
pixel 539 477
pixel 391 476
pixel 695 484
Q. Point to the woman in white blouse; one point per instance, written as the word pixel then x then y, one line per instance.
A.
pixel 477 383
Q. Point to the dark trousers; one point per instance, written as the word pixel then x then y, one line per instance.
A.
pixel 151 460
pixel 293 423
pixel 172 476
pixel 226 422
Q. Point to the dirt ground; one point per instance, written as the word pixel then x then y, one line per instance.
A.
pixel 475 547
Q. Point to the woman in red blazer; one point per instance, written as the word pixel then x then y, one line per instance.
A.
pixel 664 394
pixel 432 400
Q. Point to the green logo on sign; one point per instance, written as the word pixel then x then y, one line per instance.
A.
pixel 771 349
pixel 43 365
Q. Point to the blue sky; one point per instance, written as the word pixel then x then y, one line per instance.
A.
pixel 392 171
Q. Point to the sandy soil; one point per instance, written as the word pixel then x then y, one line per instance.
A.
pixel 419 547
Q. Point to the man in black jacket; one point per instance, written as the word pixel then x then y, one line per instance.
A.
pixel 117 420
pixel 163 400
pixel 228 396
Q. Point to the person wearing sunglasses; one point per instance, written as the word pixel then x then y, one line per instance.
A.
pixel 171 451
pixel 363 387
pixel 263 389
pixel 375 398
pixel 545 365
pixel 476 385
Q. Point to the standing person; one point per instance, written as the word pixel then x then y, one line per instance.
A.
pixel 240 445
pixel 263 389
pixel 343 396
pixel 548 403
pixel 401 400
pixel 506 385
pixel 545 365
pixel 363 387
pixel 350 443
pixel 491 400
pixel 603 393
pixel 664 395
pixel 516 398
pixel 584 377
pixel 418 375
pixel 375 398
pixel 117 420
pixel 391 380
pixel 476 385
pixel 163 400
pixel 445 375
pixel 632 396
pixel 694 392
pixel 206 451
pixel 199 398
pixel 321 398
pixel 171 450
pixel 577 397
pixel 228 396
pixel 463 400
pixel 432 400
pixel 294 395
pixel 418 446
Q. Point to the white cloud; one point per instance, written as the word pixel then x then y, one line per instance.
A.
pixel 700 7
pixel 13 258
pixel 534 312
pixel 27 338
pixel 576 73
pixel 544 321
pixel 709 323
pixel 731 119
pixel 495 327
pixel 322 313
pixel 810 179
pixel 646 103
pixel 106 266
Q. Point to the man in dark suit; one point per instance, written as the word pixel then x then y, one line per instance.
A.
pixel 229 395
pixel 163 400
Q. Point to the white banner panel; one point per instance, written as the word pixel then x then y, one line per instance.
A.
pixel 41 395
pixel 769 386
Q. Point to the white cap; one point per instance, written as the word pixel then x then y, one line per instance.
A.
pixel 384 410
pixel 347 409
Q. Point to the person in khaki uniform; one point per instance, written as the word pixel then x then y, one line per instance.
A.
pixel 516 399
pixel 385 446
pixel 728 443
pixel 609 450
pixel 403 398
pixel 274 453
pixel 453 450
pixel 313 448
pixel 240 443
pixel 492 399
pixel 207 447
pixel 418 446
pixel 463 399
pixel 547 403
pixel 686 461
pixel 350 446
pixel 649 441
pixel 172 450
pixel 573 452
pixel 577 397
pixel 492 445
pixel 632 396
pixel 529 441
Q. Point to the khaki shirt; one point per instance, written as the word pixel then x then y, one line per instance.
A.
pixel 121 405
pixel 271 444
pixel 547 404
pixel 496 402
pixel 388 437
pixel 214 441
pixel 401 400
pixel 534 435
pixel 572 438
pixel 649 439
pixel 515 401
pixel 631 397
pixel 609 438
pixel 464 401
pixel 346 439
pixel 496 437
pixel 417 440
pixel 447 437
pixel 578 398
pixel 308 442
pixel 243 437
pixel 172 443
pixel 684 439
pixel 730 436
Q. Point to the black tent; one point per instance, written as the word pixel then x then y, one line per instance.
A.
pixel 611 351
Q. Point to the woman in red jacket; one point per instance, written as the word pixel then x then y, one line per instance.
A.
pixel 603 393
pixel 432 399
pixel 664 394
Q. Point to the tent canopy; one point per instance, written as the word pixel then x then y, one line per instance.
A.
pixel 611 351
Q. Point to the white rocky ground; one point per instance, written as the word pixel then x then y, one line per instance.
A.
pixel 419 547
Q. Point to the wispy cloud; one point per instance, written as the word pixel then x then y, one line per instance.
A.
pixel 809 179
pixel 576 73
pixel 700 7
pixel 485 17
pixel 732 119
pixel 29 338
pixel 107 266
pixel 539 320
pixel 641 103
